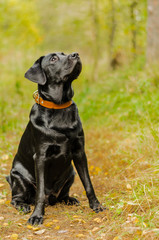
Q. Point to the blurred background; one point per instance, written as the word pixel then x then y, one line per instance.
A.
pixel 115 39
pixel 117 95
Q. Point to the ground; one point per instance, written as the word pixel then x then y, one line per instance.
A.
pixel 124 181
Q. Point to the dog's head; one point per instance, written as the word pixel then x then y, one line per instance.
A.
pixel 55 68
pixel 54 74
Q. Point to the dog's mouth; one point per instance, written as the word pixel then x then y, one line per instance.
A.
pixel 76 70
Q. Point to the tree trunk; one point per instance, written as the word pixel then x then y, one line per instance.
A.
pixel 96 48
pixel 112 33
pixel 153 31
pixel 133 27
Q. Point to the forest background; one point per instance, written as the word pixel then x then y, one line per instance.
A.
pixel 117 95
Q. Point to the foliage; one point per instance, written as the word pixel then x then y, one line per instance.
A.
pixel 18 24
pixel 119 111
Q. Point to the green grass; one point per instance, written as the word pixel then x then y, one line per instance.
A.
pixel 129 96
pixel 120 117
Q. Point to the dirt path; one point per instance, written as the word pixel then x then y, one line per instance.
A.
pixel 109 170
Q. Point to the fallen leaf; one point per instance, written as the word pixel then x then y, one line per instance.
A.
pixel 95 229
pixel 128 186
pixel 5 157
pixel 116 238
pixel 5 224
pixel 57 227
pixel 29 227
pixel 32 228
pixel 1 184
pixel 2 201
pixel 55 221
pixel 49 224
pixel 14 236
pixel 98 220
pixel 40 232
pixel 75 216
pixel 7 202
pixel 135 220
pixel 78 220
pixel 1 218
pixel 63 231
pixel 20 225
pixel 80 235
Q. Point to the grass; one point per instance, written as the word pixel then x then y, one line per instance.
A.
pixel 120 117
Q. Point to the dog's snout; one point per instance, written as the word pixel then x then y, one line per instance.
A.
pixel 74 55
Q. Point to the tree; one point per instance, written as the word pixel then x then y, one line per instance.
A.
pixel 133 26
pixel 153 31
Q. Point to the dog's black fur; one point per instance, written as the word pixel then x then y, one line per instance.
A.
pixel 42 168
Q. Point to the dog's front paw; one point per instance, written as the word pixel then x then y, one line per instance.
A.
pixel 21 207
pixel 70 201
pixel 35 220
pixel 97 207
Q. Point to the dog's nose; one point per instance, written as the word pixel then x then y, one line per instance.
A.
pixel 74 55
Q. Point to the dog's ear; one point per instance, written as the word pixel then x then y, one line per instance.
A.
pixel 36 73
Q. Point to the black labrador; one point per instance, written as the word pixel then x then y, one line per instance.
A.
pixel 42 171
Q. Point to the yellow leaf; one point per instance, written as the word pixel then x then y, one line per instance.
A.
pixel 1 184
pixel 75 216
pixel 14 236
pixel 95 229
pixel 5 224
pixel 135 220
pixel 139 232
pixel 32 228
pixel 55 221
pixel 78 220
pixel 91 167
pixel 116 238
pixel 29 227
pixel 98 220
pixel 7 202
pixel 57 228
pixel 80 235
pixel 49 224
pixel 36 228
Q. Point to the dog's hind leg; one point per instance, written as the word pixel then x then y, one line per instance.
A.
pixel 23 193
pixel 64 194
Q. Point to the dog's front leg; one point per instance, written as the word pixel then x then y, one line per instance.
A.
pixel 80 161
pixel 37 215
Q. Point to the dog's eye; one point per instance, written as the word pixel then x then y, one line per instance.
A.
pixel 54 58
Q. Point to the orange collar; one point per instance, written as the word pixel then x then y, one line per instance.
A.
pixel 49 104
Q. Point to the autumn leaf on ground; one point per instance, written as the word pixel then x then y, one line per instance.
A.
pixel 14 236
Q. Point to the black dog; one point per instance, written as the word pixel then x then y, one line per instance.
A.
pixel 54 137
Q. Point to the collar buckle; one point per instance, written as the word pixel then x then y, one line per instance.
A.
pixel 36 96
